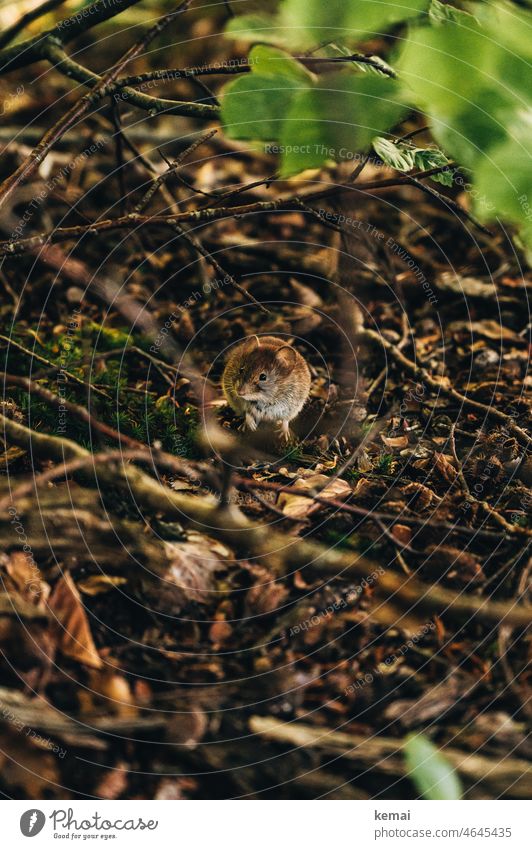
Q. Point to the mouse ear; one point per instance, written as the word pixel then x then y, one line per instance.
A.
pixel 286 355
pixel 253 342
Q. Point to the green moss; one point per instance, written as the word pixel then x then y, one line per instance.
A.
pixel 143 415
pixel 385 464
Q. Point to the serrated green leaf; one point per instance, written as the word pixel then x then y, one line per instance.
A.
pixel 430 771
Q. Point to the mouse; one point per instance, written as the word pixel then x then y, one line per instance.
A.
pixel 266 379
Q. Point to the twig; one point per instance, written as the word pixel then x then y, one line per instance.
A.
pixel 28 51
pixel 67 468
pixel 40 359
pixel 196 244
pixel 440 387
pixel 34 159
pixel 27 18
pixel 154 105
pixel 282 554
pixel 370 514
pixel 241 66
pixel 76 409
pixel 158 182
pixel 206 215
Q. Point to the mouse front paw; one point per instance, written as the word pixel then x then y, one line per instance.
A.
pixel 285 434
pixel 249 423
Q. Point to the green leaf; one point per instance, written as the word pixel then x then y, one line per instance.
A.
pixel 444 13
pixel 255 28
pixel 432 157
pixel 403 156
pixel 272 62
pixel 430 771
pixel 398 156
pixel 472 78
pixel 504 182
pixel 337 119
pixel 310 22
pixel 255 106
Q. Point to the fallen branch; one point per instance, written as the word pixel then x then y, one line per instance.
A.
pixel 384 754
pixel 282 554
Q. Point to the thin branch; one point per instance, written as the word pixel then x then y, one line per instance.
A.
pixel 66 30
pixel 34 159
pixel 440 387
pixel 76 409
pixel 62 62
pixel 207 214
pixel 370 514
pixel 282 553
pixel 173 166
pixel 27 18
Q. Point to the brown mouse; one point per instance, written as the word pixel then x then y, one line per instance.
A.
pixel 265 379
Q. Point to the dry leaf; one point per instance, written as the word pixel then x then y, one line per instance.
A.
pixel 402 533
pixel 73 633
pixel 422 494
pixel 113 783
pixel 26 577
pixel 189 576
pixel 299 507
pixel 220 631
pixel 266 595
pixel 458 564
pixel 115 691
pixel 489 328
pixel 470 287
pixel 96 584
pixel 397 442
pixel 443 465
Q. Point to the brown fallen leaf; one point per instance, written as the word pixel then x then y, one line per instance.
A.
pixel 469 287
pixel 113 783
pixel 72 631
pixel 266 595
pixel 444 467
pixel 97 584
pixel 115 692
pixel 402 533
pixel 422 494
pixel 489 329
pixel 25 577
pixel 299 507
pixel 189 576
pixel 398 442
pixel 434 702
pixel 458 564
pixel 219 632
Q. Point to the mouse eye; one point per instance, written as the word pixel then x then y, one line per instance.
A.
pixel 262 376
pixel 241 370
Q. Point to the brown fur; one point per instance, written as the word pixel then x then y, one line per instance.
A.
pixel 283 389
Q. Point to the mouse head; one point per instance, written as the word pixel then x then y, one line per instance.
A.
pixel 263 370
